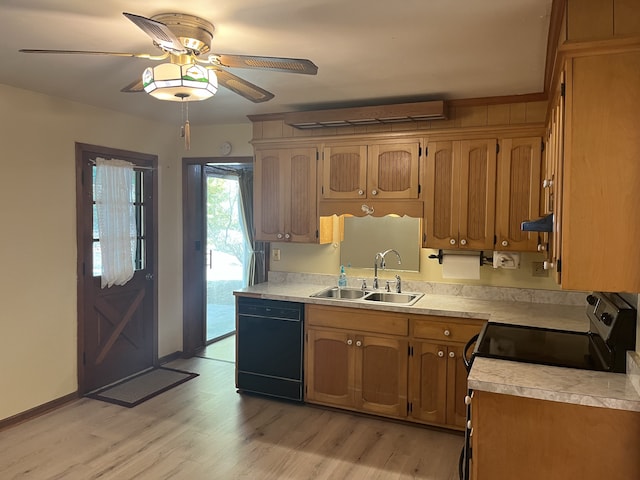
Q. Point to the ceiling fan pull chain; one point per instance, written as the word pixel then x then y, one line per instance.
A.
pixel 187 131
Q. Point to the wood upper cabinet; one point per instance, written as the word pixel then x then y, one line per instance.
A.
pixel 518 193
pixel 285 203
pixel 375 171
pixel 600 194
pixel 460 198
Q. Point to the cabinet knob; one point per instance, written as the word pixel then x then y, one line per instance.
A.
pixel 358 343
pixel 463 242
pixel 542 247
pixel 440 353
pixel 468 424
pixel 360 192
pixel 349 342
pixel 452 354
pixel 467 400
pixel 452 241
pixel 287 236
pixel 374 192
pixel 447 333
pixel 279 235
pixel 504 243
pixel 547 265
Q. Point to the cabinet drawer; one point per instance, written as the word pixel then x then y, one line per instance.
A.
pixel 440 328
pixel 357 319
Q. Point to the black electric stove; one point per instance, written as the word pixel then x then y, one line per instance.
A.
pixel 612 331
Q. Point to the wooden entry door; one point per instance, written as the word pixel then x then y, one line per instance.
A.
pixel 117 326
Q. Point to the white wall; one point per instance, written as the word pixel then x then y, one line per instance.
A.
pixel 38 318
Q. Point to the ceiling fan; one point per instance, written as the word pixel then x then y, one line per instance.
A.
pixel 185 41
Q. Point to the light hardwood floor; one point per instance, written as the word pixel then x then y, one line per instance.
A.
pixel 203 429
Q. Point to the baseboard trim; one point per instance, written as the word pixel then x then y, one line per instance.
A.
pixel 37 411
pixel 170 358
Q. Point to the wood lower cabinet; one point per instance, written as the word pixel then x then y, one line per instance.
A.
pixel 285 204
pixel 461 193
pixel 530 439
pixel 438 377
pixel 356 369
pixel 368 361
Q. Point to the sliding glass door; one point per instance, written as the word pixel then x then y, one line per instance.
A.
pixel 227 252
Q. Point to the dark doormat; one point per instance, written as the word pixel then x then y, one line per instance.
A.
pixel 134 390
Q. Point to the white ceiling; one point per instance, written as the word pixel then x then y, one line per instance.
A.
pixel 367 52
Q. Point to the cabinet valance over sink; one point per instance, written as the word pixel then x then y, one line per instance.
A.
pixel 375 208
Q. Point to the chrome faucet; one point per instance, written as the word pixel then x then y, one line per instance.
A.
pixel 380 256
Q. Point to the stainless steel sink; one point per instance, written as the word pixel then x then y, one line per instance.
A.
pixel 344 293
pixel 357 294
pixel 389 297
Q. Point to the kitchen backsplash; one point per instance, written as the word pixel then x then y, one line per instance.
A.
pixel 469 291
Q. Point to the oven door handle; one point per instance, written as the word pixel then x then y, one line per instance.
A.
pixel 465 358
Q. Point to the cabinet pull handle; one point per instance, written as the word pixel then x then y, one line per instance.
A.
pixel 547 265
pixel 447 333
pixel 287 236
pixel 360 192
pixel 440 353
pixel 374 192
pixel 463 242
pixel 504 243
pixel 279 235
pixel 349 342
pixel 452 354
pixel 358 343
pixel 467 400
pixel 452 241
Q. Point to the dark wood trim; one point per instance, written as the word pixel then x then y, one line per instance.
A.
pixel 555 27
pixel 170 358
pixel 82 151
pixel 37 411
pixel 479 101
pixel 193 283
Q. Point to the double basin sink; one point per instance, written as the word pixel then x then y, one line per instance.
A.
pixel 347 293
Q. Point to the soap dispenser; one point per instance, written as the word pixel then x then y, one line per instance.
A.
pixel 342 279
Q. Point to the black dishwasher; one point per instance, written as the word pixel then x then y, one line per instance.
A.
pixel 269 342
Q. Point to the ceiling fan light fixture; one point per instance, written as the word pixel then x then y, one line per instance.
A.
pixel 180 83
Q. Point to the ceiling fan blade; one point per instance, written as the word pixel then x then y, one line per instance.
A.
pixel 89 52
pixel 242 87
pixel 278 64
pixel 158 32
pixel 134 87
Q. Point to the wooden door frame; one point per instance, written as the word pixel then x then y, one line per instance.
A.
pixel 193 283
pixel 82 216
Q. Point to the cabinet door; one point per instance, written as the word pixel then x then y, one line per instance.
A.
pixel 429 382
pixel 442 200
pixel 381 375
pixel 301 199
pixel 477 194
pixel 456 387
pixel 285 204
pixel 518 193
pixel 393 170
pixel 330 367
pixel 270 186
pixel 344 171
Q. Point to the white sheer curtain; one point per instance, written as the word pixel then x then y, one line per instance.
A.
pixel 114 194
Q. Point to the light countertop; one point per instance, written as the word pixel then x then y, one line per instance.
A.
pixel 584 387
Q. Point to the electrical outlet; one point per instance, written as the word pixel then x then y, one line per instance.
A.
pixel 275 254
pixel 537 269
